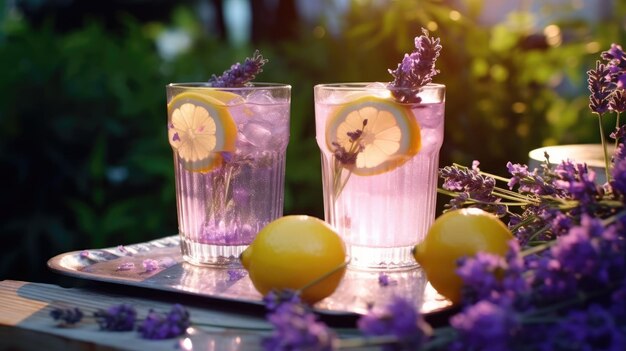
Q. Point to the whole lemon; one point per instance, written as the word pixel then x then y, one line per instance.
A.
pixel 456 234
pixel 293 251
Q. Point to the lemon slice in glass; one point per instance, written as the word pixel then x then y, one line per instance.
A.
pixel 200 129
pixel 390 134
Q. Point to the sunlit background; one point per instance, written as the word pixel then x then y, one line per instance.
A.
pixel 84 156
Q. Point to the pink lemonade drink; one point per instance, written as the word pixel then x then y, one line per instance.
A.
pixel 379 168
pixel 229 159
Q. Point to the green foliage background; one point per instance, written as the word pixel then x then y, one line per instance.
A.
pixel 83 149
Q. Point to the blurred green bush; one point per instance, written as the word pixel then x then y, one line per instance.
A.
pixel 83 146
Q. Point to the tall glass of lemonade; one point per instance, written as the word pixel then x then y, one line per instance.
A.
pixel 229 147
pixel 380 159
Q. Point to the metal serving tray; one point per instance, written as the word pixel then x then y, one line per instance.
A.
pixel 159 265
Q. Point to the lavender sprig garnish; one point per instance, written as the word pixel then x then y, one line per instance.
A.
pixel 240 74
pixel 416 69
pixel 346 159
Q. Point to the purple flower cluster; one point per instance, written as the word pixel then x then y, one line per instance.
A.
pixel 116 318
pixel 562 285
pixel 577 180
pixel 416 69
pixel 240 74
pixel 158 326
pixel 295 326
pixel 399 319
pixel 529 183
pixel 607 82
pixel 486 326
pixel 471 187
pixel 590 256
pixel 593 328
pixel 491 277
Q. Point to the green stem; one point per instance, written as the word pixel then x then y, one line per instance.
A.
pixel 616 128
pixel 606 154
pixel 540 231
pixel 613 218
pixel 353 343
pixel 538 248
pixel 324 276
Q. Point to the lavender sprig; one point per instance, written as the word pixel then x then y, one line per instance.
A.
pixel 606 85
pixel 600 88
pixel 67 316
pixel 346 159
pixel 116 318
pixel 158 326
pixel 416 69
pixel 296 327
pixel 240 74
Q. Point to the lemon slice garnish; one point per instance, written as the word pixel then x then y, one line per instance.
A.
pixel 200 129
pixel 390 134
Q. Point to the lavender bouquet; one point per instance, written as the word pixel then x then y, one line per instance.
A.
pixel 562 285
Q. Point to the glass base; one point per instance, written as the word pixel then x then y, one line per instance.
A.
pixel 211 255
pixel 381 258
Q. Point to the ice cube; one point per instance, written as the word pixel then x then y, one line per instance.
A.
pixel 379 89
pixel 257 133
pixel 261 97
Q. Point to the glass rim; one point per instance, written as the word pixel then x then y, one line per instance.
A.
pixel 365 85
pixel 207 85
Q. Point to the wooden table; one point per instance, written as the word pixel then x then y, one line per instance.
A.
pixel 25 323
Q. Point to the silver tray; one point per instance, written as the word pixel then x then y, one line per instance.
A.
pixel 159 265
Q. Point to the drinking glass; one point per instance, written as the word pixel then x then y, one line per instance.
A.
pixel 229 160
pixel 380 161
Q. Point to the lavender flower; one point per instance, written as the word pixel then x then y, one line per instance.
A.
pixel 297 328
pixel 618 303
pixel 590 329
pixel 399 319
pixel 578 181
pixel 599 86
pixel 150 265
pixel 126 266
pixel 416 69
pixel 384 280
pixel 618 179
pixel 66 316
pixel 619 133
pixel 588 257
pixel 472 187
pixel 607 82
pixel 485 326
pixel 240 74
pixel 157 326
pixel 236 274
pixel 275 298
pixel 116 318
pixel 529 182
pixel 492 277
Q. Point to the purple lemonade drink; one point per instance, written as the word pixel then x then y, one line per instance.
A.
pixel 379 163
pixel 229 157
